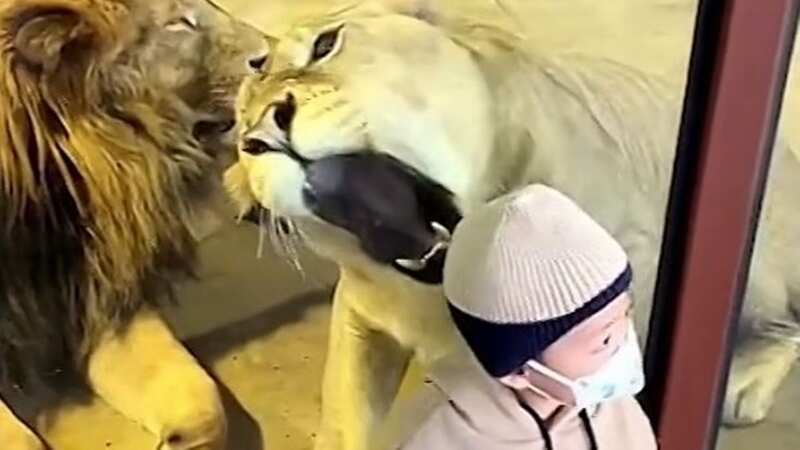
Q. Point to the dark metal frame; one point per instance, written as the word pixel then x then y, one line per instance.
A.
pixel 737 77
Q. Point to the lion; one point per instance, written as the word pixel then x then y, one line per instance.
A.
pixel 115 122
pixel 479 110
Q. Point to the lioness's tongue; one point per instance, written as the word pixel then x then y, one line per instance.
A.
pixel 374 197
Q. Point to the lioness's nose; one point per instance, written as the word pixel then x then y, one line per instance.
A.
pixel 258 62
pixel 283 113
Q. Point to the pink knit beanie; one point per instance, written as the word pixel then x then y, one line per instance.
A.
pixel 525 269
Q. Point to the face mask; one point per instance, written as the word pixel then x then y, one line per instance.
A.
pixel 622 375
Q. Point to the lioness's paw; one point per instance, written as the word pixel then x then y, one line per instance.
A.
pixel 757 373
pixel 748 399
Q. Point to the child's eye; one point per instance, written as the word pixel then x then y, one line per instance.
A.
pixel 601 347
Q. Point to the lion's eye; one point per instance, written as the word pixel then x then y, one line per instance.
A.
pixel 184 23
pixel 325 44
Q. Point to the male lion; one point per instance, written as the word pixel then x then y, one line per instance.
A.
pixel 477 111
pixel 113 116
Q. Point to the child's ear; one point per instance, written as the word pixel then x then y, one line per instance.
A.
pixel 517 381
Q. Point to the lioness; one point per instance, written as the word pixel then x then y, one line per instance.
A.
pixel 476 110
pixel 114 117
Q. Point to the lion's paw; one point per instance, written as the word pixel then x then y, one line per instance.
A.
pixel 148 375
pixel 15 434
pixel 198 432
pixel 21 439
pixel 193 419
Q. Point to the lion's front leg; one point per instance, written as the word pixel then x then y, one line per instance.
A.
pixel 148 376
pixel 363 373
pixel 15 434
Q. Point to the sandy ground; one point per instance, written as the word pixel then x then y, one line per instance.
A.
pixel 270 365
pixel 269 358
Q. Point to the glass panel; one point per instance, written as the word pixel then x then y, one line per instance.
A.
pixel 764 388
pixel 597 118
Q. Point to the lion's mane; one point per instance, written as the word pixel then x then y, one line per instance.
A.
pixel 96 176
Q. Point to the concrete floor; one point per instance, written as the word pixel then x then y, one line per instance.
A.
pixel 269 354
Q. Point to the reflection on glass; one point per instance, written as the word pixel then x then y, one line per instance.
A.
pixel 764 389
pixel 582 95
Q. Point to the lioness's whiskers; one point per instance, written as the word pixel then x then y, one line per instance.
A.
pixel 262 232
pixel 285 239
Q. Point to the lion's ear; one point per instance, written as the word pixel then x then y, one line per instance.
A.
pixel 46 38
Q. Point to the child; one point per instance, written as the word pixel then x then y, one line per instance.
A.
pixel 538 290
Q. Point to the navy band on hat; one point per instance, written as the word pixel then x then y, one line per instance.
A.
pixel 502 348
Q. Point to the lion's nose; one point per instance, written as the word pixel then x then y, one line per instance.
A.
pixel 283 113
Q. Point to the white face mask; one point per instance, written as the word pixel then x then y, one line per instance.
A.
pixel 622 375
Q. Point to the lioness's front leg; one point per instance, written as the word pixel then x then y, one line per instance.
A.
pixel 148 376
pixel 363 372
pixel 15 435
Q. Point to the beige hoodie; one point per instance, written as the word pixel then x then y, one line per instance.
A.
pixel 465 409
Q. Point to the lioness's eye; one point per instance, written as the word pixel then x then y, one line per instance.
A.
pixel 325 44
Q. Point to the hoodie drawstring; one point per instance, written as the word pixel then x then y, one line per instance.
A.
pixel 587 425
pixel 548 440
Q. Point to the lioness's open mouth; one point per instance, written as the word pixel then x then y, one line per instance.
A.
pixel 400 216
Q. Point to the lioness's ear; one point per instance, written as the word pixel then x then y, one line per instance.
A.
pixel 45 38
pixel 426 10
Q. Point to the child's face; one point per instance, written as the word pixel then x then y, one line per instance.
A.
pixel 582 351
pixel 589 345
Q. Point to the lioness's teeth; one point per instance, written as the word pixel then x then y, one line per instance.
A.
pixel 442 233
pixel 411 264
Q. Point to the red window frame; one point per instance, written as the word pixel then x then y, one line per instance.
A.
pixel 733 99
